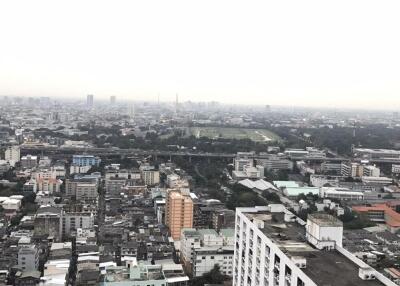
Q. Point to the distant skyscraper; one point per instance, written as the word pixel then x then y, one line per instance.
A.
pixel 176 104
pixel 89 100
pixel 113 99
pixel 131 110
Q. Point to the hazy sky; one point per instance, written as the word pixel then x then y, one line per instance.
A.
pixel 309 53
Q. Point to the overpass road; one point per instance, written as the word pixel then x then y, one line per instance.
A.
pixel 140 152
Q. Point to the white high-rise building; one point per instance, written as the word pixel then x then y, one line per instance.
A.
pixel 12 155
pixel 273 247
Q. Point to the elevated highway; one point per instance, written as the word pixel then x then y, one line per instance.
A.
pixel 112 151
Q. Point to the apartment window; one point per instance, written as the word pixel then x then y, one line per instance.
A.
pixel 288 271
pixel 300 282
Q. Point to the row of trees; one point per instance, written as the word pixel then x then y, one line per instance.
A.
pixel 340 139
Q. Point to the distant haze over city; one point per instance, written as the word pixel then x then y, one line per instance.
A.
pixel 292 53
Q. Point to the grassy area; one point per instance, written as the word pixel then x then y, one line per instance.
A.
pixel 257 135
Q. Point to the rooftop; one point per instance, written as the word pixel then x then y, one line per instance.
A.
pixel 323 219
pixel 286 184
pixel 227 232
pixel 207 231
pixel 289 235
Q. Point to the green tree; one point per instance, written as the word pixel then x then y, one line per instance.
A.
pixel 212 277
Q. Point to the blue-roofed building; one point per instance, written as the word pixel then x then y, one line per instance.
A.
pixel 286 184
pixel 85 160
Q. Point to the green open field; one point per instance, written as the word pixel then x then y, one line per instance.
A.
pixel 257 135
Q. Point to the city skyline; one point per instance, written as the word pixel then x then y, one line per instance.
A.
pixel 263 53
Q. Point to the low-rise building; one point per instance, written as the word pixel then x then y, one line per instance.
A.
pixel 250 172
pixel 395 169
pixel 275 163
pixel 48 185
pixel 381 213
pixel 48 221
pixel 377 180
pixel 143 275
pixel 71 221
pixel 202 249
pixel 28 258
pixel 29 161
pixel 340 193
pixel 371 171
pixel 77 169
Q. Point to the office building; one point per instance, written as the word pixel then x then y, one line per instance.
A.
pixel 113 99
pixel 368 154
pixel 89 100
pixel 178 212
pixel 296 153
pixel 275 163
pixel 274 247
pixel 353 170
pixel 329 167
pixel 128 174
pixel 81 189
pixel 29 161
pixel 150 177
pixel 76 169
pixel 85 160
